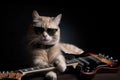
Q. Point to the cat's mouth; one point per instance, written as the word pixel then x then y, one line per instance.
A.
pixel 45 40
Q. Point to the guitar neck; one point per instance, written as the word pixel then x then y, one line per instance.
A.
pixel 49 67
pixel 18 74
pixel 88 64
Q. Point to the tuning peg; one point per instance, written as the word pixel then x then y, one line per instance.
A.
pixel 103 56
pixel 7 72
pixel 11 71
pixel 100 55
pixel 116 60
pixel 3 72
pixel 107 57
pixel 111 58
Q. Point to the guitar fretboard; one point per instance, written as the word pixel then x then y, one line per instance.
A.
pixel 82 61
pixel 46 67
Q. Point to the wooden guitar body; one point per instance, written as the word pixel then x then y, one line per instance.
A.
pixel 97 63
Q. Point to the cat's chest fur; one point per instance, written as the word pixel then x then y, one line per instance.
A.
pixel 47 54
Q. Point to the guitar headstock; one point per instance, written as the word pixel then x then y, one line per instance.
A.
pixel 110 61
pixel 11 75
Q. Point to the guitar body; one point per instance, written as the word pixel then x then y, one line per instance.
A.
pixel 97 63
pixel 87 65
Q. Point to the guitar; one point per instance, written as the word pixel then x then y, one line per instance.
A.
pixel 88 65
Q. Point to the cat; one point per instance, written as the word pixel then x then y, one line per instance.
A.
pixel 45 46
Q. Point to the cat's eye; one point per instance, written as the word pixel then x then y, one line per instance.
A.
pixel 40 30
pixel 51 31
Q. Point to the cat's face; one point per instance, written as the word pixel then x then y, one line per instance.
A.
pixel 45 29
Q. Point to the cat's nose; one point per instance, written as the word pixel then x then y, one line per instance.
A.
pixel 44 34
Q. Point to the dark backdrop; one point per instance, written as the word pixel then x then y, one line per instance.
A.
pixel 92 29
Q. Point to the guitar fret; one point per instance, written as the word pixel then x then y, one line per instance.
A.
pixel 94 59
pixel 72 61
pixel 83 60
pixel 46 66
pixel 41 67
pixel 76 61
pixel 36 68
pixel 24 70
pixel 81 63
pixel 29 69
pixel 50 65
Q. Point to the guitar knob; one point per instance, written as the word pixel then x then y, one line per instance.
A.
pixel 88 70
pixel 88 67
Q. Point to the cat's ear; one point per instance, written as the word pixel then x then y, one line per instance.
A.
pixel 35 15
pixel 57 19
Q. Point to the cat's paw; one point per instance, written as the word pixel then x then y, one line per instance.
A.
pixel 51 76
pixel 60 66
pixel 39 62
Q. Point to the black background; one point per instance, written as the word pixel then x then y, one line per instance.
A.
pixel 92 29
